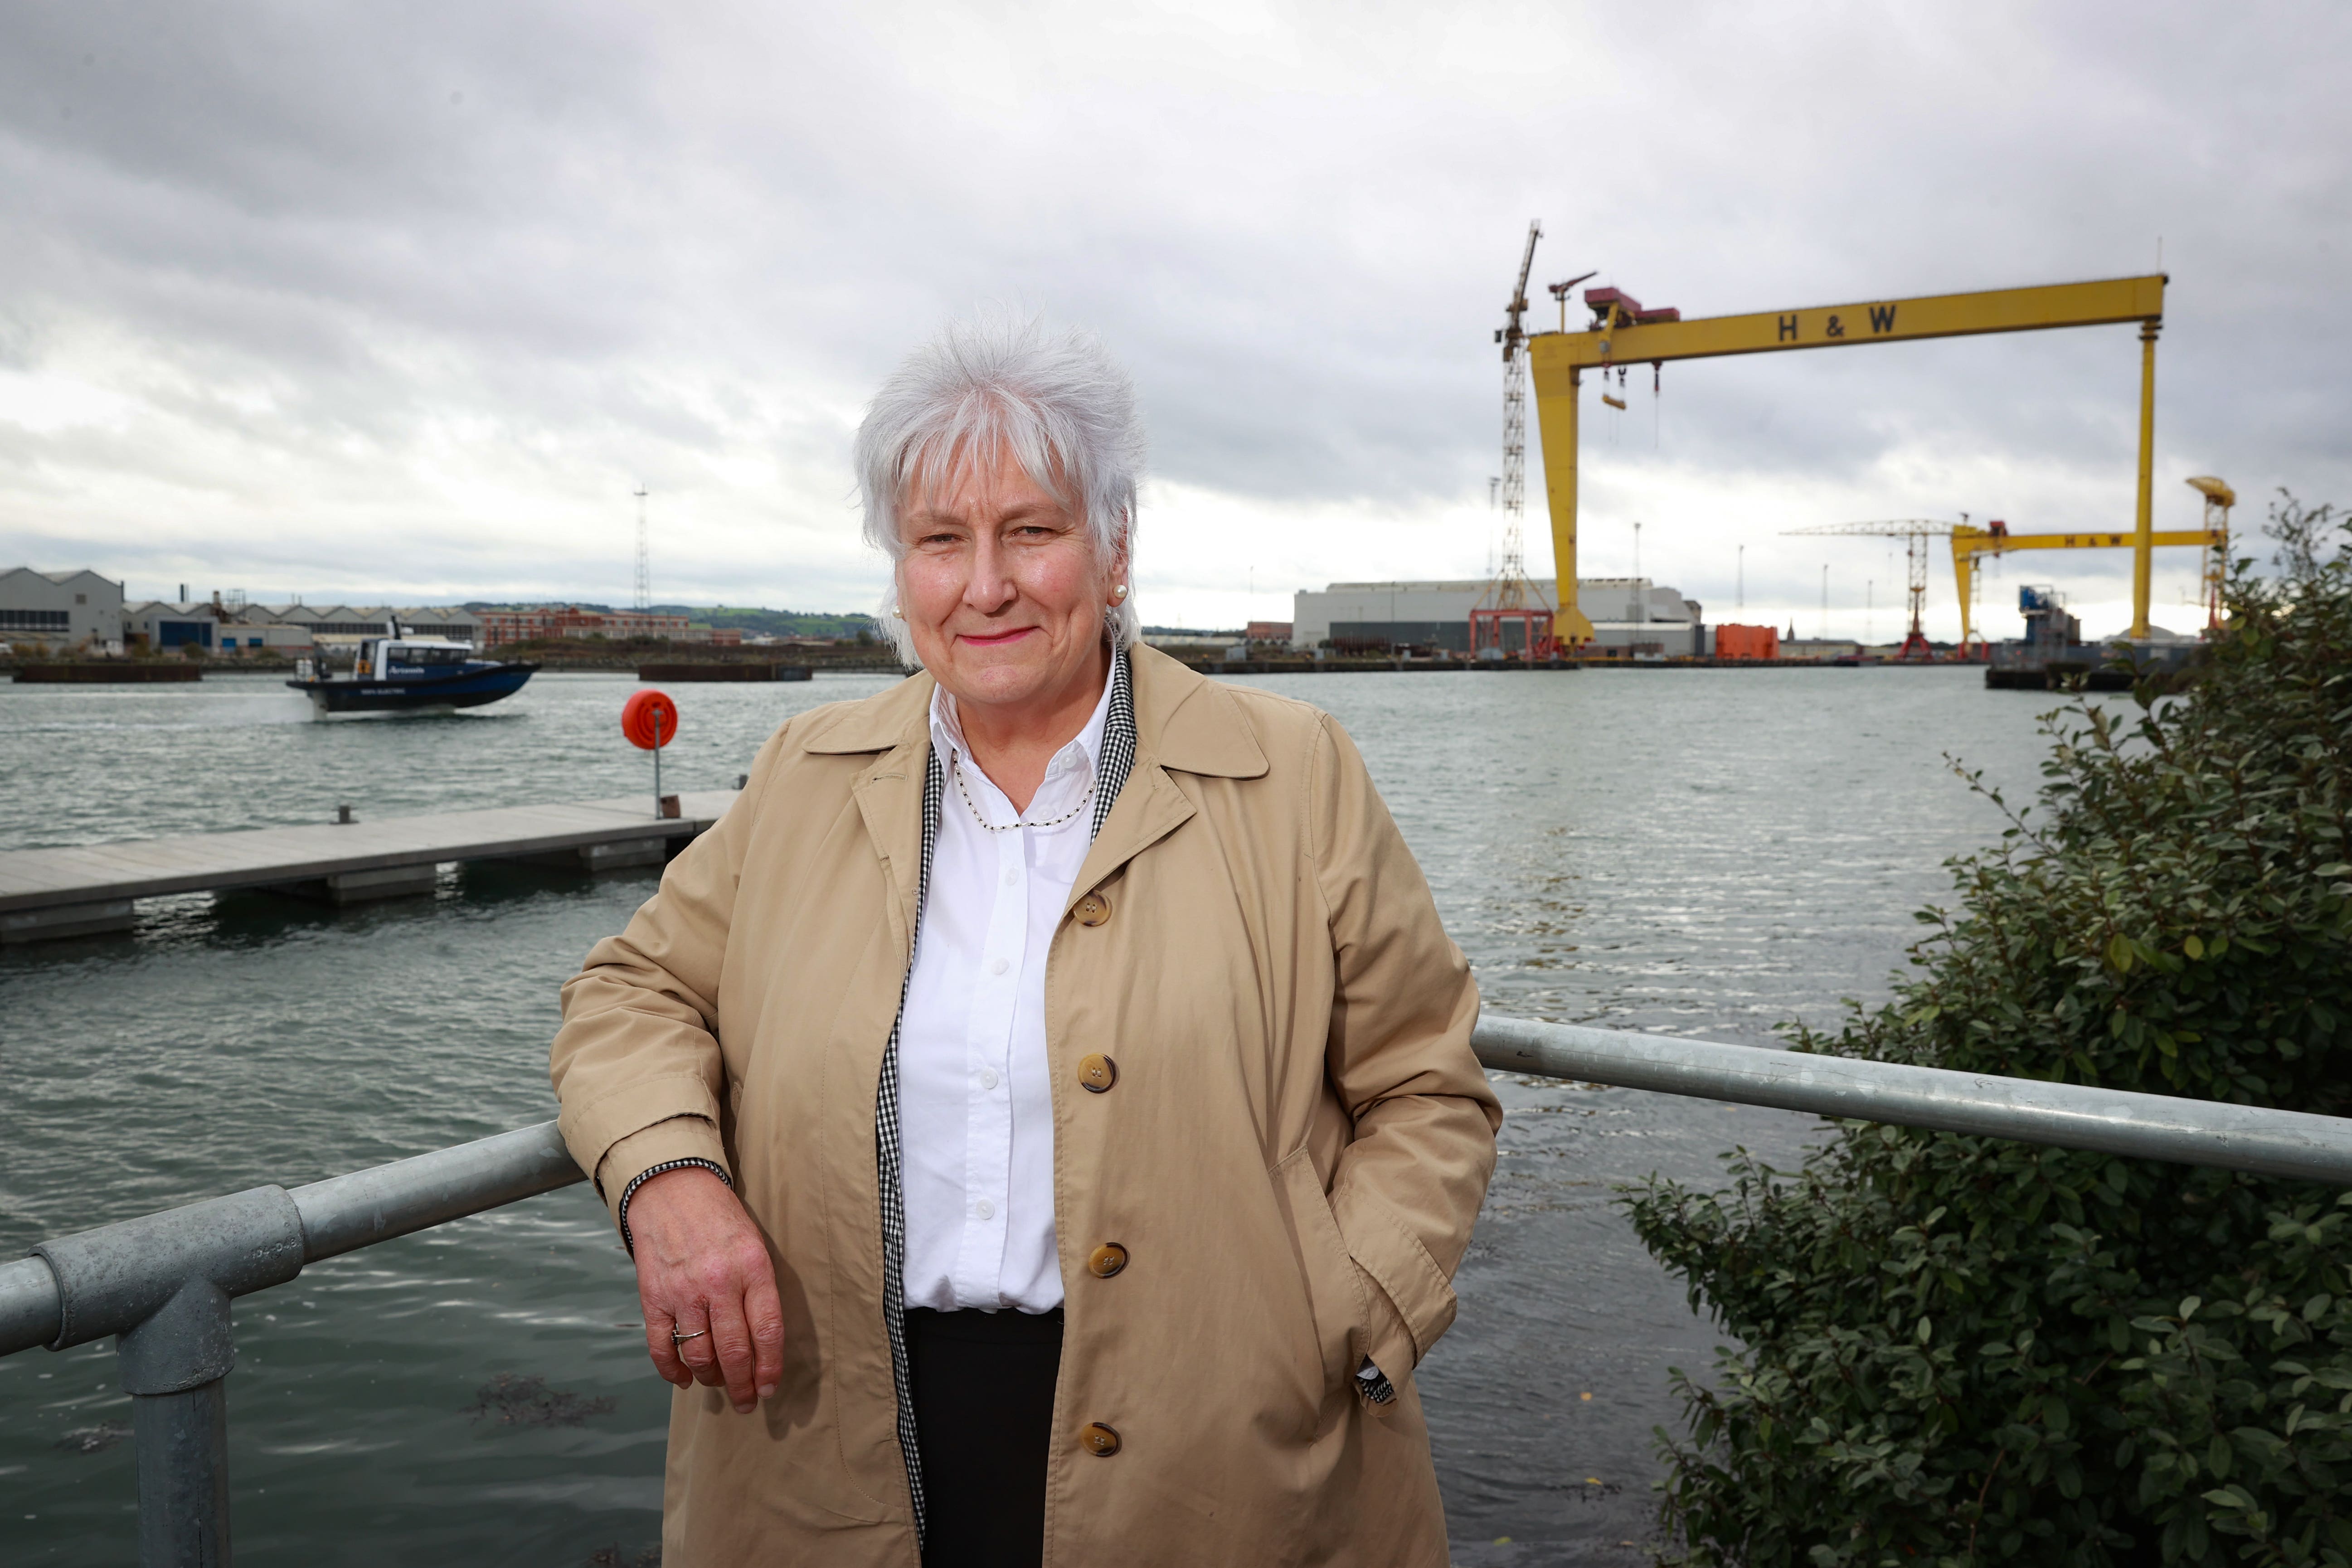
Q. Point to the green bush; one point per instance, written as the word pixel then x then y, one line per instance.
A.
pixel 1959 1350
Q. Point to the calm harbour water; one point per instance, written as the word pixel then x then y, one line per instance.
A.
pixel 1703 852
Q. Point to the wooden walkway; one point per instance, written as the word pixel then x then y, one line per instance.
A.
pixel 47 893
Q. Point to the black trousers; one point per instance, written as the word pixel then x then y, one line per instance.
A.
pixel 983 1386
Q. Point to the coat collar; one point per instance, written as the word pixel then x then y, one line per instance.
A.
pixel 1182 722
pixel 1183 725
pixel 1188 724
pixel 899 717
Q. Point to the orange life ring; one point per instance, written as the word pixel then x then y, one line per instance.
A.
pixel 649 720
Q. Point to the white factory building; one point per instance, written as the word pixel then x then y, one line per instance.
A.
pixel 1631 616
pixel 59 610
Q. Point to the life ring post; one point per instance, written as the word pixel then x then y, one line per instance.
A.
pixel 649 722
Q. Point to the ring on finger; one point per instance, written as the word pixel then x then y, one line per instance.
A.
pixel 676 1339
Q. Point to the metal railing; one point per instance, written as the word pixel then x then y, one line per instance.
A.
pixel 2266 1143
pixel 161 1284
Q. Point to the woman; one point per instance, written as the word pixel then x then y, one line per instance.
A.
pixel 1042 1110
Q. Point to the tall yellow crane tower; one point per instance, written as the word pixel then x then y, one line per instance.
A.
pixel 2219 498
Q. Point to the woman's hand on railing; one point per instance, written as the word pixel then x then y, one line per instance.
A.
pixel 704 1271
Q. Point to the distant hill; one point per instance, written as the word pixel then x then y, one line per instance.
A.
pixel 774 623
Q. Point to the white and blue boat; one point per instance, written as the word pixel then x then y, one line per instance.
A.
pixel 400 674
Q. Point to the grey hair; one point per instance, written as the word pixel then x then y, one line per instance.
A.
pixel 1055 398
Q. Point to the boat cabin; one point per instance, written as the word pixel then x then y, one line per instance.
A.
pixel 410 659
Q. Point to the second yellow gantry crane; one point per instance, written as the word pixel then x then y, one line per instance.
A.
pixel 1969 543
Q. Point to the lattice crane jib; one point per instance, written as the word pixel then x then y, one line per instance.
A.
pixel 1509 590
pixel 1915 532
pixel 1510 596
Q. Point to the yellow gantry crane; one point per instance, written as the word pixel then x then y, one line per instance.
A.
pixel 1622 333
pixel 1968 542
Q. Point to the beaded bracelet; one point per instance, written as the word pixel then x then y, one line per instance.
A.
pixel 650 1171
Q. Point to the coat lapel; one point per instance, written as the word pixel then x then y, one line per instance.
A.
pixel 1184 725
pixel 890 798
pixel 889 793
pixel 1148 809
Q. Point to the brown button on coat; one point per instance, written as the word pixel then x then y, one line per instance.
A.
pixel 1295 1153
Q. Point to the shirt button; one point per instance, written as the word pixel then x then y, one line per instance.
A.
pixel 984 1210
pixel 996 966
pixel 988 1078
pixel 1011 876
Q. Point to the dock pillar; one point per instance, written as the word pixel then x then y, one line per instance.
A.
pixel 366 886
pixel 65 919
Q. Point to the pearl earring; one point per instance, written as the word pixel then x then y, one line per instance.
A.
pixel 1119 594
pixel 897 612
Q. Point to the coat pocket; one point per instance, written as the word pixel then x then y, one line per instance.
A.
pixel 1335 1298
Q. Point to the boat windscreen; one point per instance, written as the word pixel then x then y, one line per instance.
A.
pixel 415 658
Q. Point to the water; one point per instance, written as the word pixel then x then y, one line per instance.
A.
pixel 1704 852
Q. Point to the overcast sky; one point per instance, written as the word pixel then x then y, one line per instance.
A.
pixel 404 302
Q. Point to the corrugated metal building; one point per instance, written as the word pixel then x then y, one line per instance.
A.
pixel 1629 616
pixel 165 625
pixel 367 620
pixel 233 627
pixel 60 609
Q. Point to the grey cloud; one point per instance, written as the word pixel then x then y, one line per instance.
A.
pixel 620 242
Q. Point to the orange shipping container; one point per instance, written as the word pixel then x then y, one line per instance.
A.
pixel 1747 642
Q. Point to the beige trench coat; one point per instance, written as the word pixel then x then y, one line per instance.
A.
pixel 1292 1152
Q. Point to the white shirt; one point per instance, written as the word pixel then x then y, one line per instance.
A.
pixel 976 1098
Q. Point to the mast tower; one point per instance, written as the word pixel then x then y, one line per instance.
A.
pixel 1511 598
pixel 645 565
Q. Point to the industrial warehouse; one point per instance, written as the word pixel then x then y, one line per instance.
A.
pixel 1632 618
pixel 81 612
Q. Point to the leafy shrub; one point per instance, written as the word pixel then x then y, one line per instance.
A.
pixel 1960 1350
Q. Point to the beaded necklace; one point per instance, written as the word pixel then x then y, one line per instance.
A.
pixel 956 767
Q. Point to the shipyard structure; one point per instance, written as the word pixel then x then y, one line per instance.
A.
pixel 81 613
pixel 1632 618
